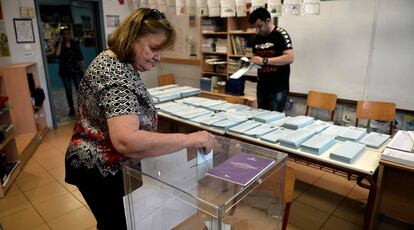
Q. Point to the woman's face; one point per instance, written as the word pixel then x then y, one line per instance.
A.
pixel 147 51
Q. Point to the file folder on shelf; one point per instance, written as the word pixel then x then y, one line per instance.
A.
pixel 299 122
pixel 348 152
pixel 268 116
pixel 318 144
pixel 352 134
pixel 274 136
pixel 296 138
pixel 374 140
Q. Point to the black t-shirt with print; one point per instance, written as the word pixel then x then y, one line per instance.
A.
pixel 272 78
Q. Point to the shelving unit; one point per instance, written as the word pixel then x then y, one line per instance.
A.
pixel 223 42
pixel 29 126
pixel 10 165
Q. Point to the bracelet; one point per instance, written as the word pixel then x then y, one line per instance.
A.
pixel 265 60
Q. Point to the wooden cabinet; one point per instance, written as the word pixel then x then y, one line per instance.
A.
pixel 223 42
pixel 10 164
pixel 29 126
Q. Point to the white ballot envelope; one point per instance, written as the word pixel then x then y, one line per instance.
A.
pixel 201 156
pixel 239 73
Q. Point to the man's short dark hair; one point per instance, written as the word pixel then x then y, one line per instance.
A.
pixel 259 13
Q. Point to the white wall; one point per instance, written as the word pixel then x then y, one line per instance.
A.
pixel 11 9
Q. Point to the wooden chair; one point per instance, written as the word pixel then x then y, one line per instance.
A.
pixel 320 100
pixel 376 110
pixel 166 79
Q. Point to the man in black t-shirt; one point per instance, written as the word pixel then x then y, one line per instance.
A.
pixel 272 49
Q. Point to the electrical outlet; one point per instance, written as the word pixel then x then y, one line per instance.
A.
pixel 348 118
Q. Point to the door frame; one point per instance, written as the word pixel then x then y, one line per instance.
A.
pixel 100 38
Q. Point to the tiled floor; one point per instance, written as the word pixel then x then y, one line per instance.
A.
pixel 40 199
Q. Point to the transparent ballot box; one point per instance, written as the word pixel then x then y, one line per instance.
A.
pixel 174 192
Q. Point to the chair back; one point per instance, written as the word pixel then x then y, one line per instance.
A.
pixel 166 79
pixel 376 110
pixel 321 100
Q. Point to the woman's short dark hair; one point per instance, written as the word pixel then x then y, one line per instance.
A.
pixel 259 13
pixel 141 22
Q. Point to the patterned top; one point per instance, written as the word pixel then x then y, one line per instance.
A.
pixel 110 88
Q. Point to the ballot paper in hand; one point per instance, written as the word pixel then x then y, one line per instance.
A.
pixel 202 157
pixel 239 73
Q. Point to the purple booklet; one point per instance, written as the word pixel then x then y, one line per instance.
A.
pixel 241 168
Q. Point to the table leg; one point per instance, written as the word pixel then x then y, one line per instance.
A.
pixel 372 187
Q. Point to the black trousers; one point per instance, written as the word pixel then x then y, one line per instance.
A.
pixel 104 197
pixel 67 79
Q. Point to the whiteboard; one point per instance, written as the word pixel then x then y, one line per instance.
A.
pixel 333 51
pixel 392 76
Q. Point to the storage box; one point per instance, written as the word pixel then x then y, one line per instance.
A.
pixel 173 192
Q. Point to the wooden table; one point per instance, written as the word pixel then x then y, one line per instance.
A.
pixel 364 169
pixel 395 192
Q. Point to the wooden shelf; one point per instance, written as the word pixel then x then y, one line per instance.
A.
pixel 237 30
pixel 214 33
pixel 214 73
pixel 213 53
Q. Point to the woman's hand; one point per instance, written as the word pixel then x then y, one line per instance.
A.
pixel 202 139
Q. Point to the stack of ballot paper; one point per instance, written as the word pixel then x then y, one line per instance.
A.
pixel 194 101
pixel 296 138
pixel 318 144
pixel 249 112
pixel 318 126
pixel 274 136
pixel 268 116
pixel 160 88
pixel 192 113
pixel 299 122
pixel 281 121
pixel 210 103
pixel 334 130
pixel 403 141
pixel 209 120
pixel 231 119
pixel 260 130
pixel 175 108
pixel 374 140
pixel 352 134
pixel 243 127
pixel 347 152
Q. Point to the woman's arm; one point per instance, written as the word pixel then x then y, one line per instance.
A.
pixel 128 139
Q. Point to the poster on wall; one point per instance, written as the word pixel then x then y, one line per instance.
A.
pixel 112 20
pixel 4 42
pixel 23 28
